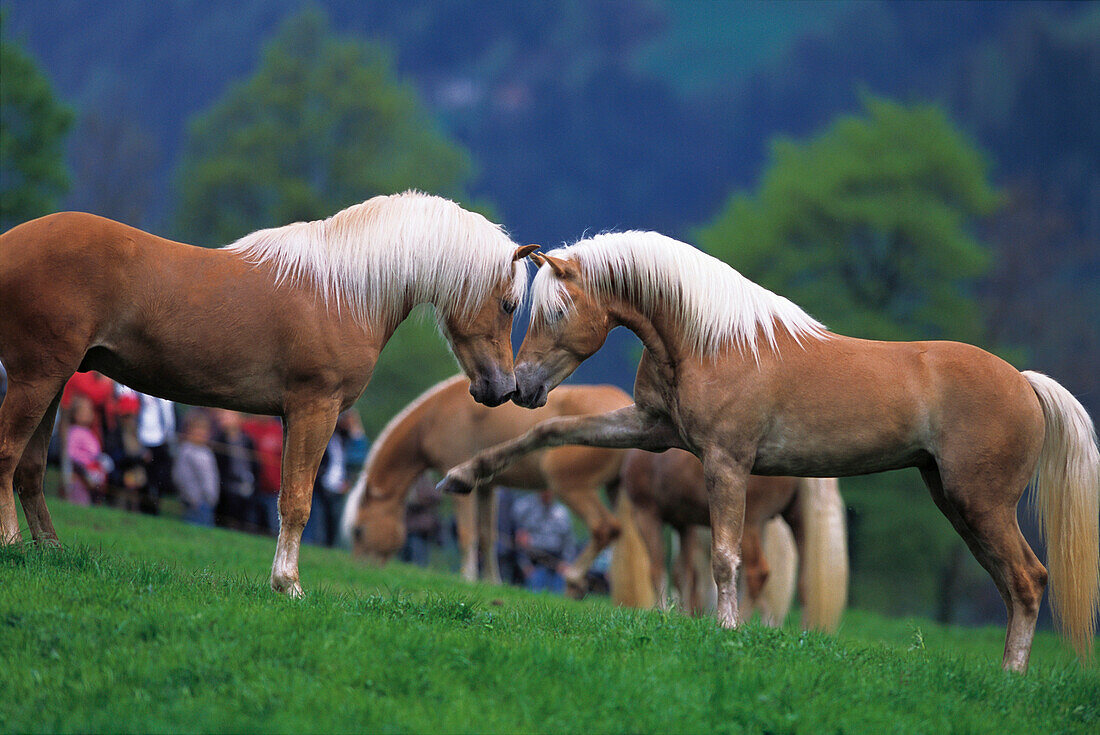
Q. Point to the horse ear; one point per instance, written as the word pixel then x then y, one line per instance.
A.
pixel 537 259
pixel 523 251
pixel 560 267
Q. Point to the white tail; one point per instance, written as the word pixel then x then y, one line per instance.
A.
pixel 630 579
pixel 1066 493
pixel 782 556
pixel 824 576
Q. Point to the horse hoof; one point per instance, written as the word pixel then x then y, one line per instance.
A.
pixel 291 588
pixel 576 590
pixel 454 486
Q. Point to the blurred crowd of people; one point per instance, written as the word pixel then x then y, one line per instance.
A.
pixel 119 447
pixel 116 446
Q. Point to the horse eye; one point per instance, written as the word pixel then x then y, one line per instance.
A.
pixel 357 533
pixel 508 306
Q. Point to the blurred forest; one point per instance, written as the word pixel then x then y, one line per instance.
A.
pixel 900 169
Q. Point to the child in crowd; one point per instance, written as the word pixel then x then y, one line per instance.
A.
pixel 195 471
pixel 85 451
pixel 237 468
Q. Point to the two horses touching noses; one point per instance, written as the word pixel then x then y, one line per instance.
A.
pixel 731 372
pixel 286 321
pixel 749 383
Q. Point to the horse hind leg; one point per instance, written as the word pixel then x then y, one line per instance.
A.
pixel 29 475
pixel 983 511
pixel 21 416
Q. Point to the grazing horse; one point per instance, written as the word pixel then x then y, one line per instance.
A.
pixel 669 488
pixel 748 382
pixel 286 321
pixel 442 428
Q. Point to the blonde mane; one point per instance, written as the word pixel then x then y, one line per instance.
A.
pixel 716 307
pixel 378 257
pixel 355 495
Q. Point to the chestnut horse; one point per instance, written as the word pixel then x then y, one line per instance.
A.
pixel 748 382
pixel 444 427
pixel 669 488
pixel 286 321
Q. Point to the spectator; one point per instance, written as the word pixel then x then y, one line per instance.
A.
pixel 99 390
pixel 129 477
pixel 544 536
pixel 422 525
pixel 507 553
pixel 266 433
pixel 350 428
pixel 237 469
pixel 84 450
pixel 195 470
pixel 156 425
pixel 328 492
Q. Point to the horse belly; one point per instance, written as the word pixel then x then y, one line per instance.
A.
pixel 840 452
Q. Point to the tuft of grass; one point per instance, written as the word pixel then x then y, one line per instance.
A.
pixel 149 625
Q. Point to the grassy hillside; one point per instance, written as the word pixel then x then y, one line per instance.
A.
pixel 148 624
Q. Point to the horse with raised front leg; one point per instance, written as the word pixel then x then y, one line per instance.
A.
pixel 286 321
pixel 748 382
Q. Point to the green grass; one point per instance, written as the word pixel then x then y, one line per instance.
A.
pixel 145 624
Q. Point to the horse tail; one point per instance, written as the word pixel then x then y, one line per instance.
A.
pixel 782 556
pixel 1066 493
pixel 824 559
pixel 629 576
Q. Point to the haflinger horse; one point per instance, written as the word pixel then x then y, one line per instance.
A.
pixel 669 488
pixel 444 427
pixel 286 321
pixel 748 382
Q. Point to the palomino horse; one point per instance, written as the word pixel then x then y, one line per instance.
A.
pixel 748 382
pixel 670 488
pixel 286 321
pixel 444 427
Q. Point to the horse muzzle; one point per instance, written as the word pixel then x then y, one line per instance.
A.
pixel 532 385
pixel 493 388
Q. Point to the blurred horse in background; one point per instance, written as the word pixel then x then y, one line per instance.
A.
pixel 286 321
pixel 750 383
pixel 669 488
pixel 442 428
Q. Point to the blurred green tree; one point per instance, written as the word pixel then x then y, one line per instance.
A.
pixel 33 124
pixel 321 124
pixel 867 225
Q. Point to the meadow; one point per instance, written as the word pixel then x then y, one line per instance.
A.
pixel 146 624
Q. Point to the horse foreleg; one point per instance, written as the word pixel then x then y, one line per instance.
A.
pixel 466 528
pixel 622 429
pixel 309 427
pixel 726 481
pixel 603 528
pixel 21 415
pixel 487 533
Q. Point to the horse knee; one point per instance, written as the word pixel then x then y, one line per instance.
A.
pixel 28 474
pixel 606 532
pixel 723 565
pixel 1027 588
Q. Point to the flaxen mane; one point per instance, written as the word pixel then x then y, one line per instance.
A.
pixel 717 307
pixel 374 258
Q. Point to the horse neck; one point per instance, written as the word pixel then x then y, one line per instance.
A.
pixel 398 462
pixel 658 334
